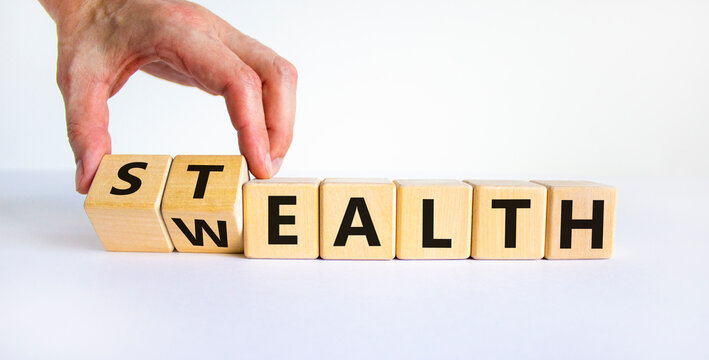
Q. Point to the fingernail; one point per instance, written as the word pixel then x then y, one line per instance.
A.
pixel 79 173
pixel 267 163
pixel 276 165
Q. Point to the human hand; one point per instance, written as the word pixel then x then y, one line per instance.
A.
pixel 102 43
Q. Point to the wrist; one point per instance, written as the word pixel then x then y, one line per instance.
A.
pixel 71 15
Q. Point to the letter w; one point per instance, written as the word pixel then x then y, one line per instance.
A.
pixel 200 227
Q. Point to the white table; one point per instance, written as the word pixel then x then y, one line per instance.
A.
pixel 63 296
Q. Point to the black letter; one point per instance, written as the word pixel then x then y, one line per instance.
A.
pixel 275 219
pixel 595 224
pixel 428 240
pixel 202 178
pixel 511 206
pixel 367 228
pixel 199 227
pixel 124 175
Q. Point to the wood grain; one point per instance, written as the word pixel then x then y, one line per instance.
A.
pixel 130 222
pixel 451 205
pixel 582 195
pixel 489 231
pixel 221 202
pixel 305 213
pixel 336 195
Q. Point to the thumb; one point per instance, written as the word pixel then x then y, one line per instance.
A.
pixel 87 128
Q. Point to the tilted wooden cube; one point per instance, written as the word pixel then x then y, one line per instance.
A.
pixel 508 219
pixel 357 219
pixel 580 219
pixel 433 219
pixel 281 218
pixel 123 203
pixel 202 204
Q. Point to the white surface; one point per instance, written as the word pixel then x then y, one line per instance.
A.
pixel 63 296
pixel 575 88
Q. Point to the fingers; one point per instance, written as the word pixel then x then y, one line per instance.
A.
pixel 164 71
pixel 279 108
pixel 219 70
pixel 279 80
pixel 87 128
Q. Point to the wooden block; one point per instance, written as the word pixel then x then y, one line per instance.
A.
pixel 202 204
pixel 433 219
pixel 123 203
pixel 281 218
pixel 580 219
pixel 357 219
pixel 508 219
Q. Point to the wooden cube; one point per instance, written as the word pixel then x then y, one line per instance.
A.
pixel 357 219
pixel 433 219
pixel 580 219
pixel 508 219
pixel 123 203
pixel 202 204
pixel 281 218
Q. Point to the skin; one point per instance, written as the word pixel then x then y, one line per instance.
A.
pixel 101 43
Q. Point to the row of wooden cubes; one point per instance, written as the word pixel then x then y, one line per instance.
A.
pixel 194 204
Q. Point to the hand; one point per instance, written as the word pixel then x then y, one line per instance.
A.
pixel 102 43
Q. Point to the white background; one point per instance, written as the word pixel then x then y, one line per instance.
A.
pixel 613 91
pixel 421 89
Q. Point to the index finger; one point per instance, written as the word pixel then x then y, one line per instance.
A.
pixel 221 71
pixel 279 81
